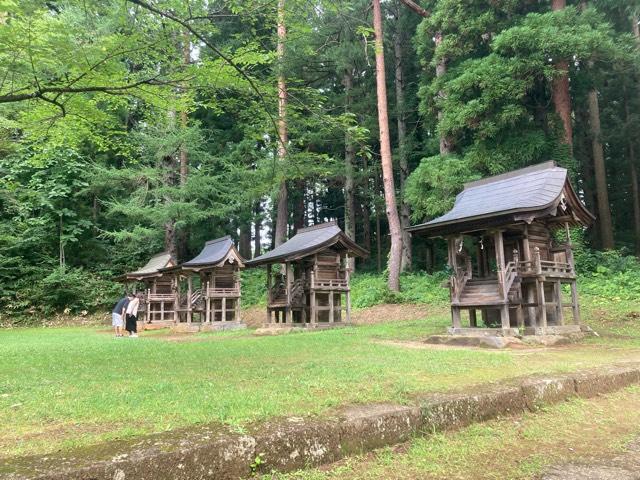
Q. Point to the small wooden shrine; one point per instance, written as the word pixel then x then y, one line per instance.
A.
pixel 159 301
pixel 510 252
pixel 208 287
pixel 308 278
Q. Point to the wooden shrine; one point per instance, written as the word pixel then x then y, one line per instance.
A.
pixel 208 288
pixel 159 302
pixel 510 252
pixel 308 278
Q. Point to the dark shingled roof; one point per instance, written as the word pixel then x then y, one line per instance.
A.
pixel 309 241
pixel 531 189
pixel 213 252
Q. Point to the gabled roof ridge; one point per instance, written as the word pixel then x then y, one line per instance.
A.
pixel 512 174
pixel 216 240
pixel 317 226
pixel 161 254
pixel 327 235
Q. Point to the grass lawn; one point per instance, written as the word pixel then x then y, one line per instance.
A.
pixel 515 448
pixel 63 387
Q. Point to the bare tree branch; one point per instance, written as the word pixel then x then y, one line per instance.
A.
pixel 40 94
pixel 416 8
pixel 216 50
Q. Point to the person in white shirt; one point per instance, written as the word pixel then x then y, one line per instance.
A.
pixel 132 315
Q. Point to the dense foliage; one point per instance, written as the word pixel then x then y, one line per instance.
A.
pixel 132 127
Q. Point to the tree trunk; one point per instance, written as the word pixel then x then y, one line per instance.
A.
pixel 446 143
pixel 349 160
pixel 182 235
pixel 244 243
pixel 365 206
pixel 300 205
pixel 378 242
pixel 170 171
pixel 560 89
pixel 283 210
pixel 170 238
pixel 314 210
pixel 632 157
pixel 636 195
pixel 184 158
pixel 602 194
pixel 402 146
pixel 257 229
pixel 385 155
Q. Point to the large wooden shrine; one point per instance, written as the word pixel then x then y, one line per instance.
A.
pixel 308 278
pixel 208 287
pixel 159 300
pixel 510 252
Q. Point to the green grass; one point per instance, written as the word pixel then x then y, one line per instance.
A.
pixel 509 448
pixel 63 387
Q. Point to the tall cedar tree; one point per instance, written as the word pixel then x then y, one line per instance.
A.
pixel 395 254
pixel 282 215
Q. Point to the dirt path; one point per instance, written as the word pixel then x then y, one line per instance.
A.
pixel 625 466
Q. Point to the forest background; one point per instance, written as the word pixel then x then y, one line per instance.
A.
pixel 129 127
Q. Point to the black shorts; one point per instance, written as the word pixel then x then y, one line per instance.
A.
pixel 131 325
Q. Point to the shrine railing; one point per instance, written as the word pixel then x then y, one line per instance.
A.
pixel 459 280
pixel 161 297
pixel 215 292
pixel 330 283
pixel 537 266
pixel 509 275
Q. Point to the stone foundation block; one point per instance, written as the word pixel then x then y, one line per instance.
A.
pixel 548 390
pixel 295 443
pixel 450 411
pixel 202 454
pixel 367 427
pixel 606 380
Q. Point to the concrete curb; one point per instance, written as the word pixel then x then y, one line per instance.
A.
pixel 293 443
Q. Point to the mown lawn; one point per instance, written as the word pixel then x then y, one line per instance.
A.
pixel 63 387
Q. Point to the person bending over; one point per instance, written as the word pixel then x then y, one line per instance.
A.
pixel 118 313
pixel 132 316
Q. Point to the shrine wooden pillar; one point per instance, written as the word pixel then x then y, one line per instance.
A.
pixel 557 292
pixel 347 297
pixel 453 263
pixel 455 317
pixel 207 303
pixel 148 306
pixel 189 303
pixel 175 287
pixel 269 312
pixel 289 284
pixel 500 263
pixel 542 304
pixel 223 304
pixel 331 306
pixel 575 306
pixel 529 293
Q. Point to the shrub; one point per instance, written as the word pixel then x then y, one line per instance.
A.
pixel 64 289
pixel 254 287
pixel 370 289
